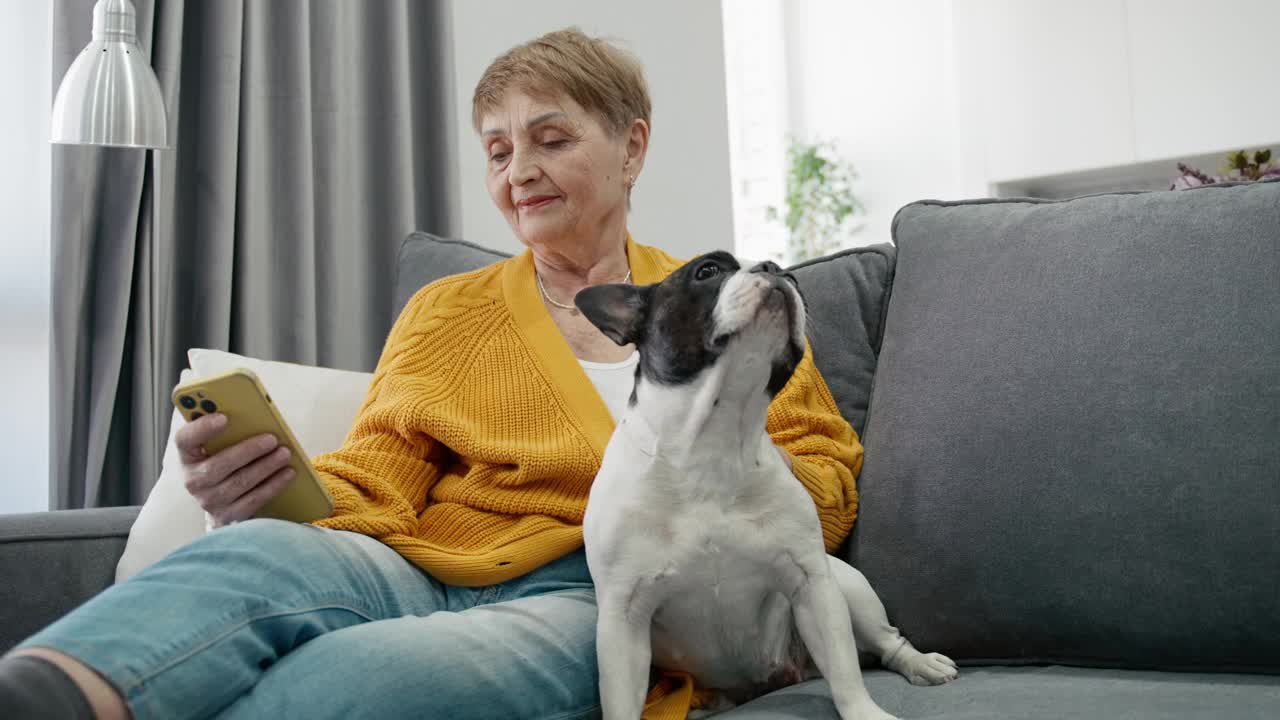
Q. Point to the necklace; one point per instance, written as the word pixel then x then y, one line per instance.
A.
pixel 570 308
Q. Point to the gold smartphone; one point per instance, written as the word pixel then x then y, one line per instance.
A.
pixel 241 396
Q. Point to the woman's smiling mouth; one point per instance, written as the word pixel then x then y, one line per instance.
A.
pixel 534 202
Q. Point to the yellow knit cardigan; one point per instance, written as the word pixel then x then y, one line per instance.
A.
pixel 474 451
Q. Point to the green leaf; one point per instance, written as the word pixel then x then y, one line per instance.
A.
pixel 819 199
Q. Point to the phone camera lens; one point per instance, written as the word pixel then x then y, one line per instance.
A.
pixel 196 415
pixel 187 402
pixel 208 406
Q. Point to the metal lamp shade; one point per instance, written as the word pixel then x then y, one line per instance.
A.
pixel 111 96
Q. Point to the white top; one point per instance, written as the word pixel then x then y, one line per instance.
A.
pixel 614 381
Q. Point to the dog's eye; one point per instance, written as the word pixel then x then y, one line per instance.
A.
pixel 706 272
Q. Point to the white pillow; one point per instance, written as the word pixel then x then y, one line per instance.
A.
pixel 320 405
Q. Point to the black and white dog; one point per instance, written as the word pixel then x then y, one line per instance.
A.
pixel 707 554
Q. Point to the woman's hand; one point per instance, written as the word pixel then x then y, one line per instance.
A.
pixel 233 484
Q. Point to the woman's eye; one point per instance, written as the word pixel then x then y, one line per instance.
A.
pixel 706 272
pixel 555 144
pixel 497 157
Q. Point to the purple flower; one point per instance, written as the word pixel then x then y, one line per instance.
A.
pixel 1239 168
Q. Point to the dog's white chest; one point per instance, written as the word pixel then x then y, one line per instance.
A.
pixel 715 550
pixel 710 547
pixel 723 612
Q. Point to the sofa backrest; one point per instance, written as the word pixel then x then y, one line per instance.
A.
pixel 425 258
pixel 1073 447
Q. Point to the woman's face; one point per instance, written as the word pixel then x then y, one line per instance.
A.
pixel 555 171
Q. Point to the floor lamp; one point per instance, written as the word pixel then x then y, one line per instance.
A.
pixel 110 97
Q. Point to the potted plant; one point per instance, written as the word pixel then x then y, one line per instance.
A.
pixel 820 205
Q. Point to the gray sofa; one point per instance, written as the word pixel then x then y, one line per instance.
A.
pixel 1071 415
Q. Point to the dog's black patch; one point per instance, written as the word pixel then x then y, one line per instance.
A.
pixel 635 382
pixel 671 322
pixel 668 321
pixel 678 342
pixel 783 369
pixel 618 310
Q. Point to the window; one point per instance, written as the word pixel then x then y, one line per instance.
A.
pixel 756 83
pixel 25 61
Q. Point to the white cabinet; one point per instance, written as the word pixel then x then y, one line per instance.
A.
pixel 1101 89
pixel 1204 75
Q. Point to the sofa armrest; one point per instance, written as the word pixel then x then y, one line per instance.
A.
pixel 51 562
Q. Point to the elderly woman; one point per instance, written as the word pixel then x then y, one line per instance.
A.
pixel 450 580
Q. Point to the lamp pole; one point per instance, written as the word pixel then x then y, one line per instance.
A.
pixel 110 97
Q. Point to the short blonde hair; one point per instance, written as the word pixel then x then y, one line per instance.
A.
pixel 602 78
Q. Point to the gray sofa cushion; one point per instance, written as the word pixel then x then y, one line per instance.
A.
pixel 845 291
pixel 1040 693
pixel 425 258
pixel 846 295
pixel 51 562
pixel 1071 453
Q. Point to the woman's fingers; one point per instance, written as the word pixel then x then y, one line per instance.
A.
pixel 245 479
pixel 248 505
pixel 192 436
pixel 210 471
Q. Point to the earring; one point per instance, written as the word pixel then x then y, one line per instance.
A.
pixel 631 181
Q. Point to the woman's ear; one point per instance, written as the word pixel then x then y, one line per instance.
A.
pixel 636 147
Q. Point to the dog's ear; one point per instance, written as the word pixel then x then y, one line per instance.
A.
pixel 618 310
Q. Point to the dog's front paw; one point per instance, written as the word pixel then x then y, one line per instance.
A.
pixel 933 669
pixel 923 668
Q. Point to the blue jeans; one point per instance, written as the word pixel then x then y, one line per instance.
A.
pixel 271 619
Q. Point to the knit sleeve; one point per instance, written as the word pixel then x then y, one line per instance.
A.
pixel 826 455
pixel 380 476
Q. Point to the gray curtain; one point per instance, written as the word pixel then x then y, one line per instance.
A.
pixel 307 138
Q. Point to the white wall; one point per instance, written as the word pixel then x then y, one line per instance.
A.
pixel 877 77
pixel 25 66
pixel 953 99
pixel 1050 81
pixel 682 202
pixel 759 121
pixel 1203 75
pixel 1094 88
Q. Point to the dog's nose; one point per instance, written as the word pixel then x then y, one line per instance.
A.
pixel 768 266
